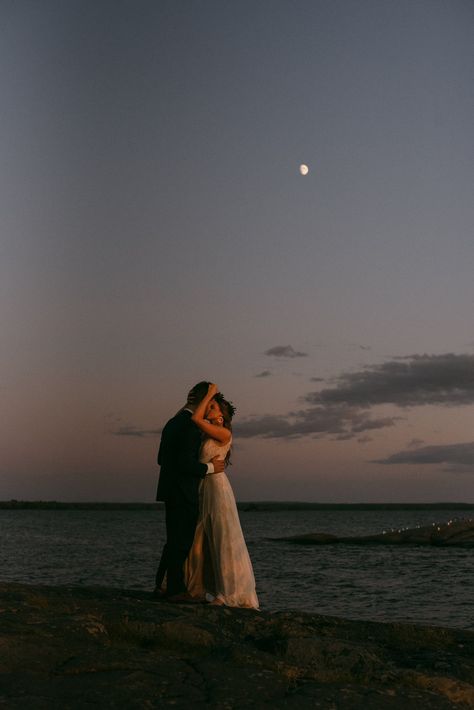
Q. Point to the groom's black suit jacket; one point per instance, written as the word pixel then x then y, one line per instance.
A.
pixel 178 457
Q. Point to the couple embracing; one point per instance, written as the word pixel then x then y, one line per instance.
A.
pixel 205 557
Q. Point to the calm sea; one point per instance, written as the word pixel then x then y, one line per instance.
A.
pixel 120 548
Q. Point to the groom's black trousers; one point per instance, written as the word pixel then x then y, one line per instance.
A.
pixel 181 521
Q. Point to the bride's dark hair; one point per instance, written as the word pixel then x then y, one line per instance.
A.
pixel 228 410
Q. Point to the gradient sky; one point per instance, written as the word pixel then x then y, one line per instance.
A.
pixel 155 231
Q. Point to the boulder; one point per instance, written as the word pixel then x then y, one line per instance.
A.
pixel 66 647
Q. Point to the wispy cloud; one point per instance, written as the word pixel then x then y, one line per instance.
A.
pixel 134 431
pixel 358 346
pixel 415 443
pixel 265 373
pixel 458 456
pixel 336 420
pixel 284 351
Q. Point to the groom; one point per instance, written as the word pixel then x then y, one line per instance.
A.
pixel 178 486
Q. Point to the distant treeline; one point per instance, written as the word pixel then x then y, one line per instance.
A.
pixel 244 506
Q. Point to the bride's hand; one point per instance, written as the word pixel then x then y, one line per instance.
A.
pixel 213 390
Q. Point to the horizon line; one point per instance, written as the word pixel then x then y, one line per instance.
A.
pixel 15 502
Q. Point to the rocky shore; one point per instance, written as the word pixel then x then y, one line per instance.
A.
pixel 105 648
pixel 454 533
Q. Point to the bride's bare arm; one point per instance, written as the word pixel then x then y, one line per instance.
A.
pixel 219 433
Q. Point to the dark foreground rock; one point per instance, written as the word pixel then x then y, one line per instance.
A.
pixel 454 533
pixel 100 648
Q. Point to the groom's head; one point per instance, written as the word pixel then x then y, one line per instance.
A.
pixel 197 393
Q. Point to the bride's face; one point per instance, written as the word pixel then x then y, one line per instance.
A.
pixel 214 413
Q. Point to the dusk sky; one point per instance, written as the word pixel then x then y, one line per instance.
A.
pixel 155 231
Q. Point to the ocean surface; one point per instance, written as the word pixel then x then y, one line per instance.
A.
pixel 121 548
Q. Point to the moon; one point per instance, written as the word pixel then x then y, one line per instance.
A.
pixel 304 170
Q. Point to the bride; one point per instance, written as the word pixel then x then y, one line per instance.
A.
pixel 218 566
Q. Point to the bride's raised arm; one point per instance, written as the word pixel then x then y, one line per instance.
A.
pixel 219 433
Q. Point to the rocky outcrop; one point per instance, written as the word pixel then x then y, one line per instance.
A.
pixel 101 648
pixel 458 533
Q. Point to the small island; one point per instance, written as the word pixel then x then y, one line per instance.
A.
pixel 76 647
pixel 453 533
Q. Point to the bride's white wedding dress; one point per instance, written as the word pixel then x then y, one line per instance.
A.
pixel 219 563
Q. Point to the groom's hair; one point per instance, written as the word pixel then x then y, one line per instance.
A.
pixel 198 392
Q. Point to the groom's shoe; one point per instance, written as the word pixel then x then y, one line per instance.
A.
pixel 184 598
pixel 158 593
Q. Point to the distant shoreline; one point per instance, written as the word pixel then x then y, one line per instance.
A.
pixel 243 506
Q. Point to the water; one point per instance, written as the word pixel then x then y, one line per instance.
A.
pixel 120 548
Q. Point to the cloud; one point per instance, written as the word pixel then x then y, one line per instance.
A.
pixel 337 420
pixel 343 411
pixel 284 351
pixel 405 382
pixel 414 443
pixel 357 346
pixel 458 456
pixel 265 373
pixel 133 431
pixel 317 379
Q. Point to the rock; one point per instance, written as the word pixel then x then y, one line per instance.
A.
pixel 458 533
pixel 88 647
